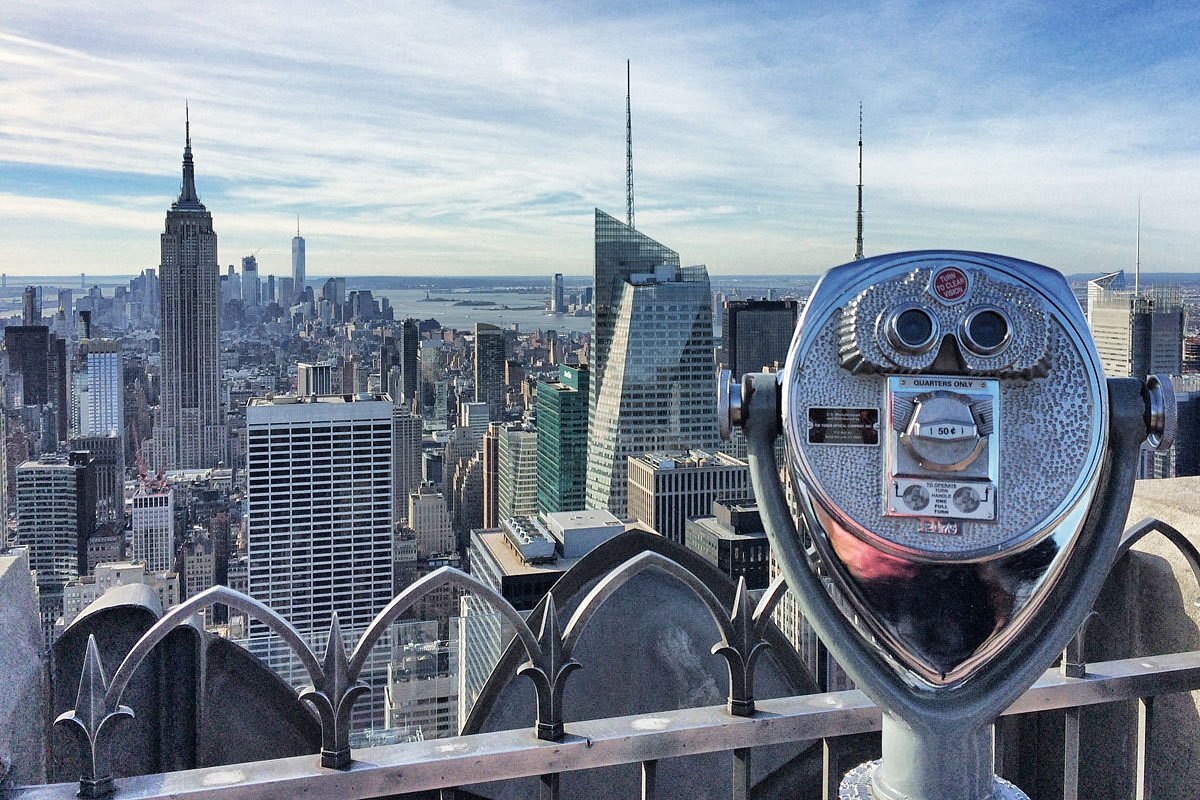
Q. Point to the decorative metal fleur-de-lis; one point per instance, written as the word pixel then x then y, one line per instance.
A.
pixel 335 691
pixel 92 717
pixel 741 651
pixel 549 671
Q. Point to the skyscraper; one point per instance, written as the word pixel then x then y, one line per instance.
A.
pixel 297 265
pixel 489 368
pixel 98 419
pixel 406 459
pixel 409 345
pixel 1137 333
pixel 319 523
pixel 516 473
pixel 56 515
pixel 98 403
pixel 490 468
pixel 562 409
pixel 429 518
pixel 757 333
pixel 31 306
pixel 153 523
pixel 557 304
pixel 400 364
pixel 652 381
pixel 107 451
pixel 28 348
pixel 190 433
pixel 251 286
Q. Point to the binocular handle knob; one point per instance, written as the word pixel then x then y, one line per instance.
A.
pixel 729 404
pixel 1162 415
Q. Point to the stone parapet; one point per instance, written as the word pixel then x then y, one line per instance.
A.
pixel 22 681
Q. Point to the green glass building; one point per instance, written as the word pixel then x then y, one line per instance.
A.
pixel 562 421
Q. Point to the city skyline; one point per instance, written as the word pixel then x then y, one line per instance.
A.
pixel 447 142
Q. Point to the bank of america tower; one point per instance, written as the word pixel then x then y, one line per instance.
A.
pixel 189 433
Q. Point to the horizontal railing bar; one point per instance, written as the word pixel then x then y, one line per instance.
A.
pixel 418 766
pixel 1109 681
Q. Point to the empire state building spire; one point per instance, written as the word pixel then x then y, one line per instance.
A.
pixel 187 189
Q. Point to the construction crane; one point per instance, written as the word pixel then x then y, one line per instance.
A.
pixel 137 450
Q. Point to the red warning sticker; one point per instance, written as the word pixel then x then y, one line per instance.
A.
pixel 950 284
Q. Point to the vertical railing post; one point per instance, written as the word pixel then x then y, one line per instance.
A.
pixel 548 786
pixel 1071 731
pixel 649 779
pixel 741 773
pixel 831 769
pixel 1145 723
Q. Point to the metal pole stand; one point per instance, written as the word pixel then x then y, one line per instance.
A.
pixel 962 767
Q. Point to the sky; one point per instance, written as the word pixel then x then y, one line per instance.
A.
pixel 419 138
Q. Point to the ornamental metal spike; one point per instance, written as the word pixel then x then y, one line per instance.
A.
pixel 334 694
pixel 549 671
pixel 741 651
pixel 91 718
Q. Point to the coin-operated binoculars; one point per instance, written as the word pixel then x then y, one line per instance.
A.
pixel 960 474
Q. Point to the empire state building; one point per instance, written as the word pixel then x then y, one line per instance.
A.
pixel 190 433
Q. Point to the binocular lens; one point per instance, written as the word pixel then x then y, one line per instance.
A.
pixel 986 331
pixel 912 330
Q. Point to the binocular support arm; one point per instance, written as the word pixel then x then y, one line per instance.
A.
pixel 938 744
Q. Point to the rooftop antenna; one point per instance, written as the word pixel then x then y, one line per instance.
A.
pixel 628 152
pixel 187 125
pixel 858 243
pixel 297 224
pixel 1137 262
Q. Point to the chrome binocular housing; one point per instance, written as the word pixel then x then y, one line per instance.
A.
pixel 946 419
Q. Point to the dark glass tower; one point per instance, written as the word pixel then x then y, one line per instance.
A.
pixel 757 333
pixel 409 344
pixel 489 369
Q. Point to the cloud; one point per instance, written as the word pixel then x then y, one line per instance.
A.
pixel 433 138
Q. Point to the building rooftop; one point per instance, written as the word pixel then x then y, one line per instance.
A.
pixel 673 459
pixel 292 400
pixel 589 518
pixel 721 531
pixel 510 561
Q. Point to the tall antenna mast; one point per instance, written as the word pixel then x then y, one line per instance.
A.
pixel 628 152
pixel 858 244
pixel 1137 263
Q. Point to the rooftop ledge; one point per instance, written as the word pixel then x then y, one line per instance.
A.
pixel 429 765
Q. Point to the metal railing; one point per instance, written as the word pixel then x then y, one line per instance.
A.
pixel 551 748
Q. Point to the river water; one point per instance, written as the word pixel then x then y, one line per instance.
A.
pixel 527 311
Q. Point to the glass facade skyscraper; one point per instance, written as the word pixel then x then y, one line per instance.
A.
pixel 562 415
pixel 489 368
pixel 653 379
